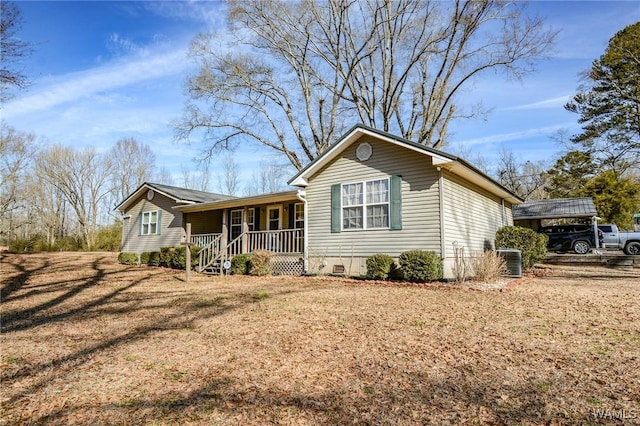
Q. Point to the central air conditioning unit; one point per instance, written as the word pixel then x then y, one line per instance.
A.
pixel 513 258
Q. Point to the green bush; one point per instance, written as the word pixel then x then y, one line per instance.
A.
pixel 261 262
pixel 179 259
pixel 20 245
pixel 420 266
pixel 166 256
pixel 379 266
pixel 531 244
pixel 154 258
pixel 176 257
pixel 70 243
pixel 240 264
pixel 109 238
pixel 144 257
pixel 128 258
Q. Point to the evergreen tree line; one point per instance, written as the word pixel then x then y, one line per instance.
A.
pixel 603 160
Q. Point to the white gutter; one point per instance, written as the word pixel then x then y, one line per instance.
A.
pixel 305 255
pixel 443 247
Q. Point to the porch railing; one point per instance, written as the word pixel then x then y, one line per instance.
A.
pixel 210 253
pixel 234 247
pixel 202 240
pixel 282 241
pixel 214 251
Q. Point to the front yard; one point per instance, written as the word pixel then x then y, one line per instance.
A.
pixel 86 340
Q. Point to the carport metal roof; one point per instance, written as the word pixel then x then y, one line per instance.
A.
pixel 556 208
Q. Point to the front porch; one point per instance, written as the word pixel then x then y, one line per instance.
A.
pixel 273 222
pixel 287 246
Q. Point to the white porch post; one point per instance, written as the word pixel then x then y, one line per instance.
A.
pixel 245 230
pixel 225 236
pixel 301 195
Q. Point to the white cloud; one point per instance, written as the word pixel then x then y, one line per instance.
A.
pixel 84 84
pixel 212 13
pixel 513 136
pixel 547 103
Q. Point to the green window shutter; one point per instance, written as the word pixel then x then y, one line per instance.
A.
pixel 159 224
pixel 335 208
pixel 140 224
pixel 395 207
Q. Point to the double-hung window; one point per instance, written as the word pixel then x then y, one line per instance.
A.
pixel 352 206
pixel 365 205
pixel 370 204
pixel 149 223
pixel 377 198
pixel 298 216
pixel 236 223
pixel 251 218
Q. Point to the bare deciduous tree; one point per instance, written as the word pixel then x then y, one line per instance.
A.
pixel 16 154
pixel 229 177
pixel 12 50
pixel 46 210
pixel 164 176
pixel 83 178
pixel 133 164
pixel 187 179
pixel 527 180
pixel 293 75
pixel 203 175
pixel 270 177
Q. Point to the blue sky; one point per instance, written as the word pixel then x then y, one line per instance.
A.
pixel 107 70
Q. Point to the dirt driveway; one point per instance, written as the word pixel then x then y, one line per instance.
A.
pixel 88 341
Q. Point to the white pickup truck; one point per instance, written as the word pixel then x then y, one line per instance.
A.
pixel 619 240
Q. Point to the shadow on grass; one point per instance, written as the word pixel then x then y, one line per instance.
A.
pixel 448 401
pixel 15 283
pixel 28 318
pixel 180 311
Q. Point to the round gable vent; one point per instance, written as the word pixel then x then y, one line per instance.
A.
pixel 150 194
pixel 363 152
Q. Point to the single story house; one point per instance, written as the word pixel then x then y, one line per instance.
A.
pixel 370 192
pixel 149 219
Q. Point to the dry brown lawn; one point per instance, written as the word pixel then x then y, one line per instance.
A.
pixel 88 341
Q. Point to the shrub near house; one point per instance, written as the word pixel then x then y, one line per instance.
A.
pixel 168 257
pixel 532 245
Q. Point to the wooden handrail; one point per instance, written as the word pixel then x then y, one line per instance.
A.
pixel 280 241
pixel 209 253
pixel 202 240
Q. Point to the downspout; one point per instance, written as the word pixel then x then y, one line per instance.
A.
pixel 305 255
pixel 443 249
pixel 504 213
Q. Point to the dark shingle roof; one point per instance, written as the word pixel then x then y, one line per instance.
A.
pixel 180 195
pixel 185 194
pixel 555 209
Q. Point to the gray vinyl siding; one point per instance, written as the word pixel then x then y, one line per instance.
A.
pixel 472 216
pixel 420 202
pixel 171 232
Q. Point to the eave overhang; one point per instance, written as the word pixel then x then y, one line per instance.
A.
pixel 439 159
pixel 273 198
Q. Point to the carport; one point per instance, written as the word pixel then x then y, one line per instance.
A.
pixel 531 214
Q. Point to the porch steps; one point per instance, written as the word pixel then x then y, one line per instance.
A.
pixel 212 269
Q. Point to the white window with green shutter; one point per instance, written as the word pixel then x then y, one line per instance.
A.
pixel 150 222
pixel 372 204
